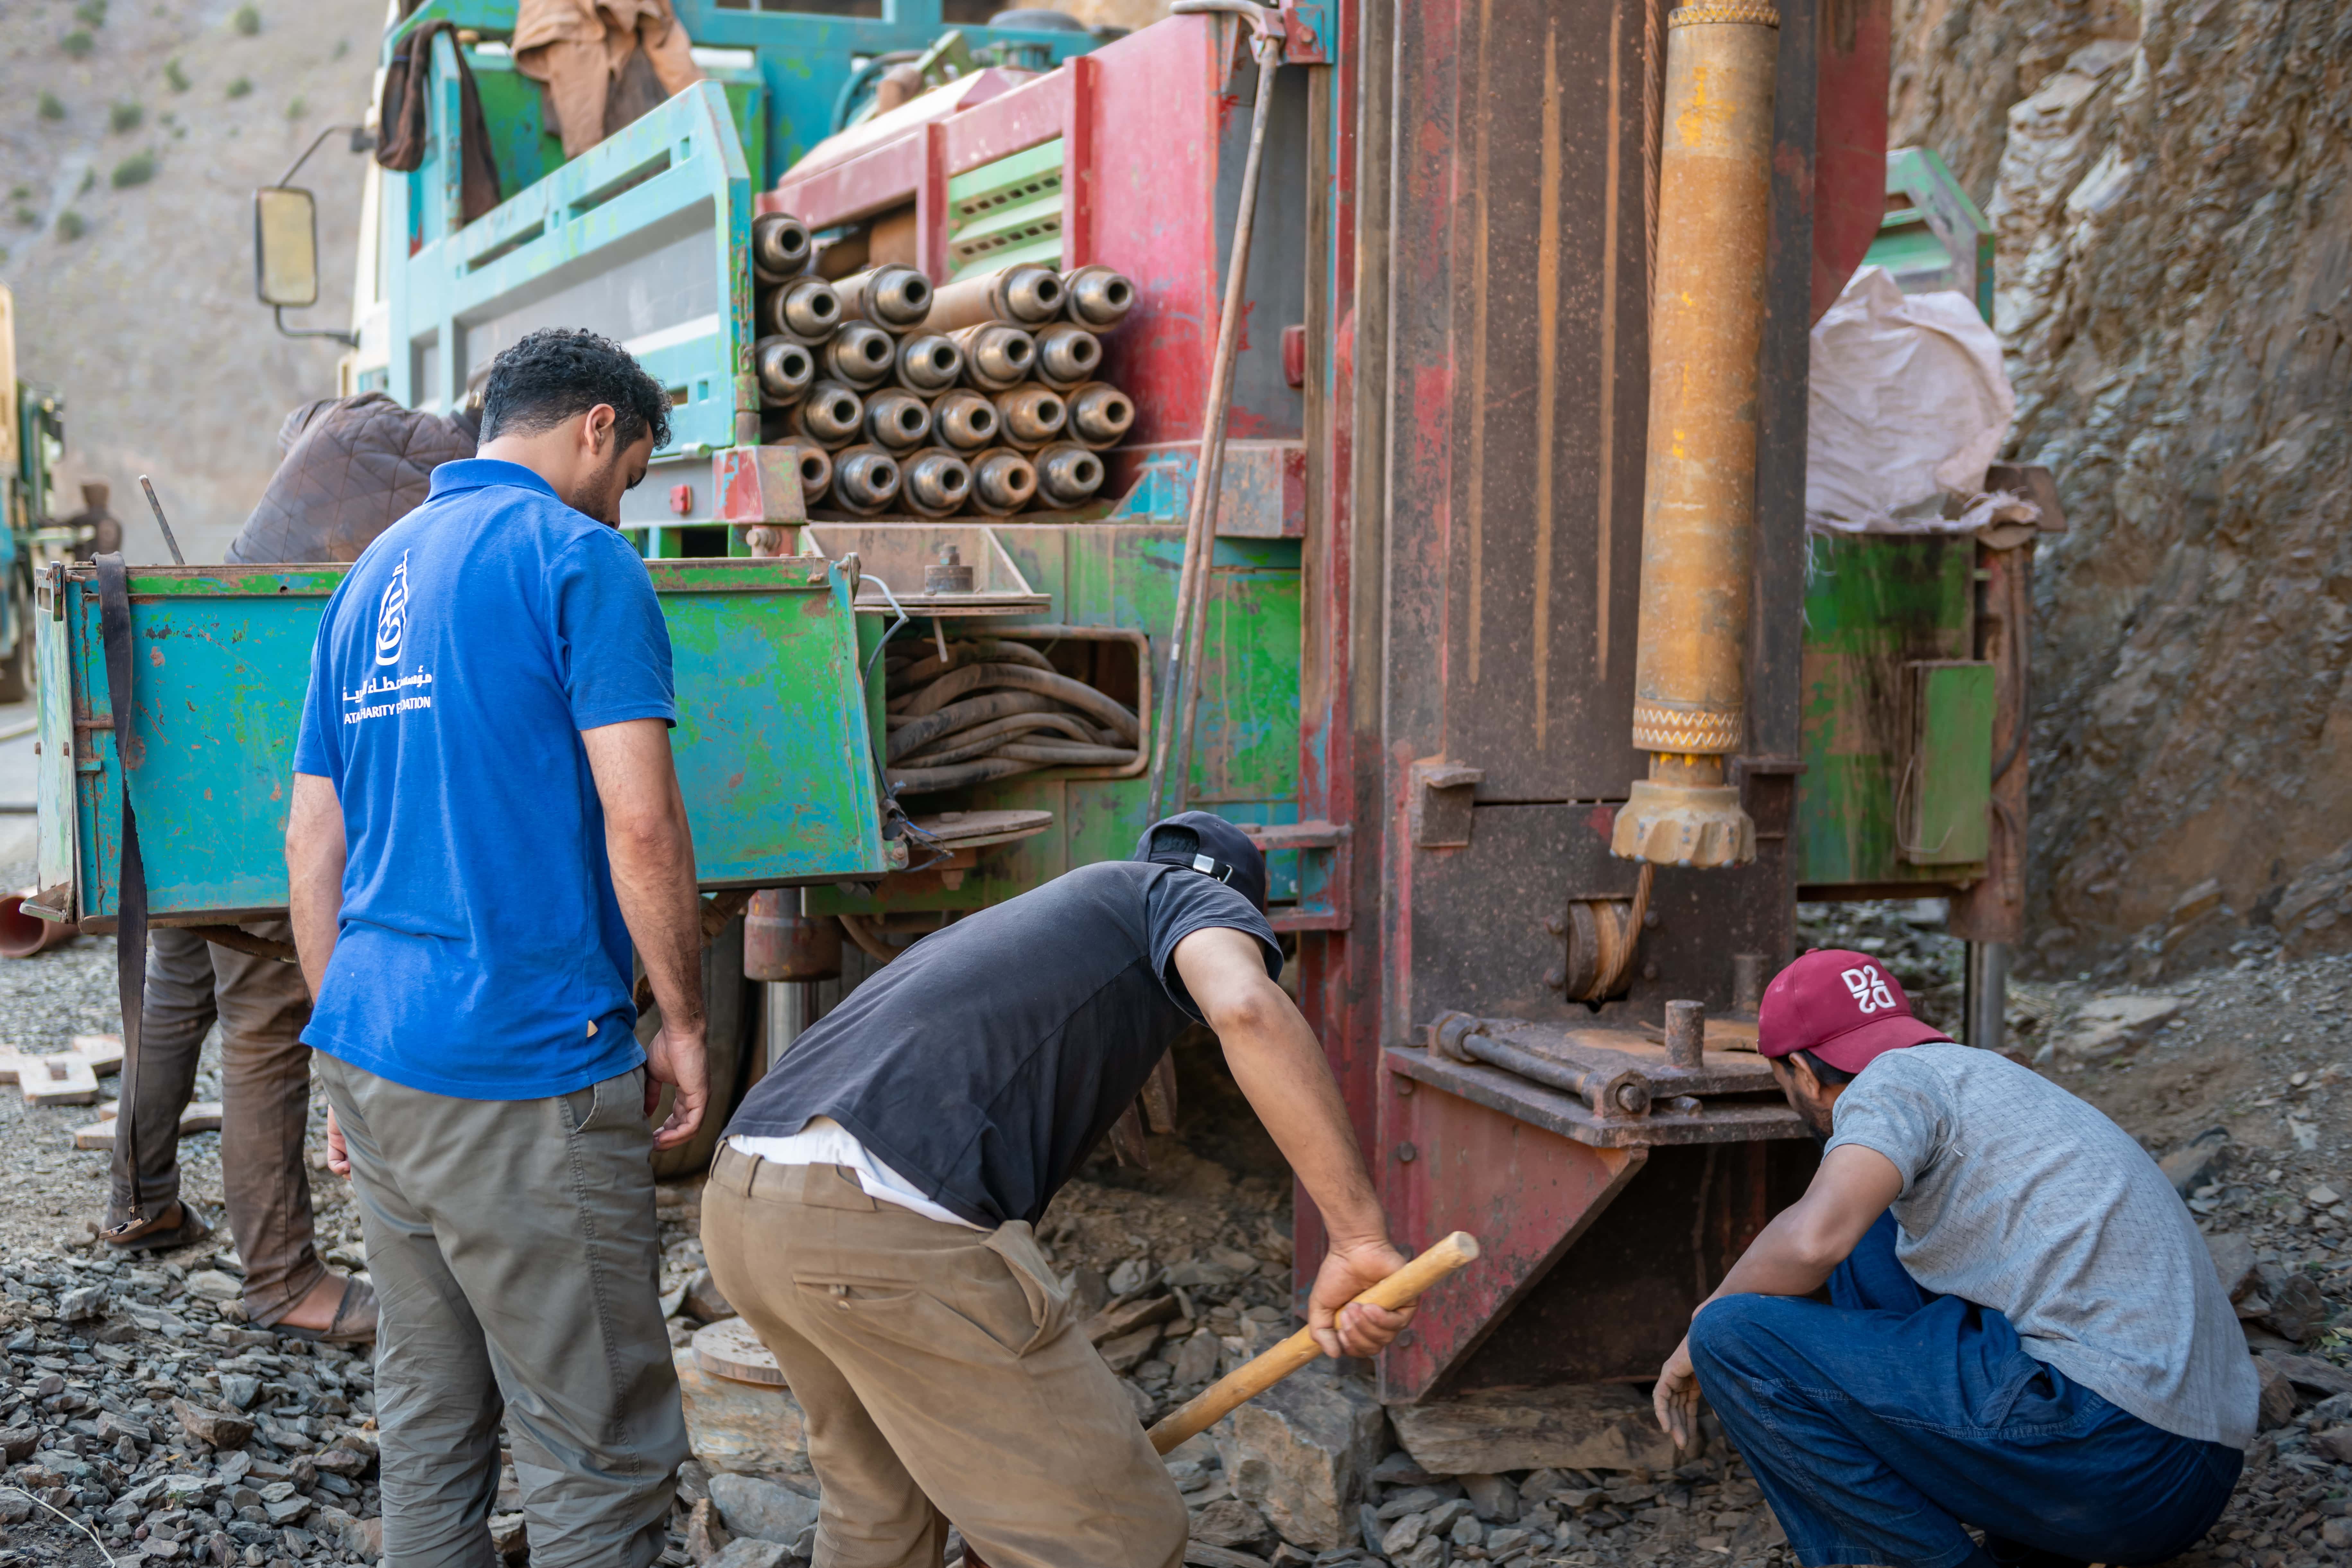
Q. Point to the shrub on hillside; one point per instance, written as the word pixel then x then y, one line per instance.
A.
pixel 52 106
pixel 246 21
pixel 70 226
pixel 239 88
pixel 175 73
pixel 125 117
pixel 77 43
pixel 136 169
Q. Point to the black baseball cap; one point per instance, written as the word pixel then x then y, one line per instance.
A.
pixel 1210 845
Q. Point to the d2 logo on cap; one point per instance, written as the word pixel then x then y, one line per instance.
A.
pixel 1869 988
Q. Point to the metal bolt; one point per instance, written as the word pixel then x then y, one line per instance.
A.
pixel 1649 920
pixel 1406 1153
pixel 1649 971
pixel 1629 1098
pixel 1685 1032
pixel 1555 926
pixel 1405 1086
pixel 1555 978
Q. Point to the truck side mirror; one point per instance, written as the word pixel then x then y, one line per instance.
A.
pixel 286 246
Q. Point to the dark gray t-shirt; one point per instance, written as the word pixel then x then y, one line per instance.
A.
pixel 2020 1197
pixel 986 1061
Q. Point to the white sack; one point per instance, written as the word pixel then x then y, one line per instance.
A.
pixel 1909 404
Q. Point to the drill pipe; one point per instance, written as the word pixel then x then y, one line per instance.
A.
pixel 1028 295
pixel 865 480
pixel 1003 480
pixel 815 464
pixel 936 483
pixel 894 298
pixel 1707 319
pixel 964 419
pixel 1031 416
pixel 1098 297
pixel 1067 475
pixel 830 416
pixel 1067 356
pixel 780 246
pixel 996 357
pixel 786 369
pixel 897 419
pixel 862 354
pixel 928 363
pixel 1100 415
pixel 806 309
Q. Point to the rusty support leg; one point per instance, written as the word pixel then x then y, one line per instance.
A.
pixel 1698 529
pixel 1527 1194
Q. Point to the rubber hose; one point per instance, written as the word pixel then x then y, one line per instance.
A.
pixel 1021 677
pixel 960 654
pixel 919 733
pixel 978 740
pixel 1062 754
pixel 926 781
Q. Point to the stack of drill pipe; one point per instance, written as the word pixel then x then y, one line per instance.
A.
pixel 979 397
pixel 991 709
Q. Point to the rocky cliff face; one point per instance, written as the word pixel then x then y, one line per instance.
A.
pixel 2173 194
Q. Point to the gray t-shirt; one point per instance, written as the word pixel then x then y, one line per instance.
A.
pixel 2019 1196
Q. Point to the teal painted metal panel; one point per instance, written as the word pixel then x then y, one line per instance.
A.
pixel 771 741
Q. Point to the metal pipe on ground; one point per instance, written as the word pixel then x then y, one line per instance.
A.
pixel 1100 415
pixel 892 297
pixel 928 363
pixel 1003 481
pixel 23 935
pixel 996 357
pixel 1031 416
pixel 1097 296
pixel 964 419
pixel 1028 295
pixel 1690 697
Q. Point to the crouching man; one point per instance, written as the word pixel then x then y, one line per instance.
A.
pixel 870 1215
pixel 2031 1339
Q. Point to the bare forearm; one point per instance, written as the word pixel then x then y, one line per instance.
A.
pixel 1281 1070
pixel 653 879
pixel 314 876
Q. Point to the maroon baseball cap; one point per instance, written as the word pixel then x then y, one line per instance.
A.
pixel 1843 1007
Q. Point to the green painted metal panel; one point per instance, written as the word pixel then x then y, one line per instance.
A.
pixel 1874 605
pixel 1950 787
pixel 1246 751
pixel 770 742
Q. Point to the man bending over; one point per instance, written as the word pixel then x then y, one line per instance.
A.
pixel 871 1214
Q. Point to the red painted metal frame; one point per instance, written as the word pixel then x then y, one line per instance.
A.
pixel 1848 140
pixel 1525 1194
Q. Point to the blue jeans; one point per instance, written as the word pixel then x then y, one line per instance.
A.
pixel 1878 1424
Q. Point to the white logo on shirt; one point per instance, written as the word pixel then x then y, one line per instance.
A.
pixel 391 615
pixel 1869 988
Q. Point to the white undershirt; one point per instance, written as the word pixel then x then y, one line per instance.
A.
pixel 825 1142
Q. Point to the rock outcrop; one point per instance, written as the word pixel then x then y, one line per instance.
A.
pixel 2174 207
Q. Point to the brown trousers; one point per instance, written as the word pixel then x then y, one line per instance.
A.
pixel 263 1006
pixel 940 1373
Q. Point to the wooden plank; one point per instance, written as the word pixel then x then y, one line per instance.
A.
pixel 62 1079
pixel 204 1116
pixel 731 1350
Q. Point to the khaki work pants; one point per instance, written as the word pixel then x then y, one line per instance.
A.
pixel 940 1373
pixel 262 1006
pixel 516 1262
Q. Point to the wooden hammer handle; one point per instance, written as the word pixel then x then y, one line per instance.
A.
pixel 1254 1377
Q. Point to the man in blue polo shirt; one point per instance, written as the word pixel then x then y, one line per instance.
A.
pixel 485 820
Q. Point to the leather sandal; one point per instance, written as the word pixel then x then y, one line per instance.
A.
pixel 178 1226
pixel 354 1320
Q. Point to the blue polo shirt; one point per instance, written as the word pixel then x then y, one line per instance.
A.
pixel 481 952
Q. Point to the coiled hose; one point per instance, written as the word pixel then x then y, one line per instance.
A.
pixel 989 708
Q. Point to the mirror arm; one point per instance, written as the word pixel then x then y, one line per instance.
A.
pixel 349 339
pixel 363 141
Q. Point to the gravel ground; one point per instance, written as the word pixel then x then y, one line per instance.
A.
pixel 133 1398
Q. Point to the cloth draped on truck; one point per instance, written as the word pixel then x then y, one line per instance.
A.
pixel 601 63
